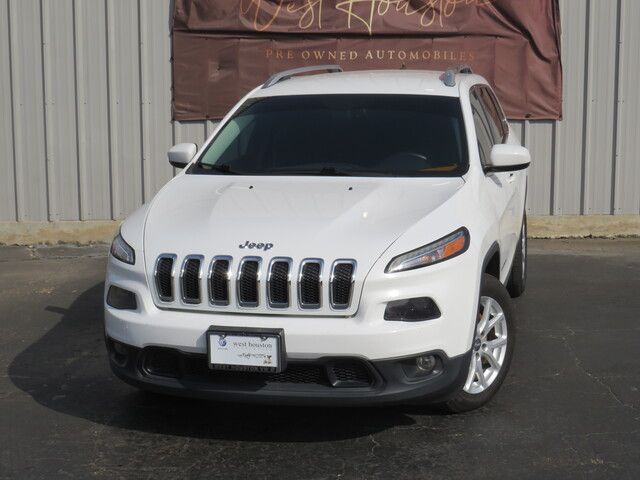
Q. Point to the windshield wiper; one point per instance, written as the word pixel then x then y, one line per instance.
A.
pixel 220 168
pixel 332 171
pixel 324 171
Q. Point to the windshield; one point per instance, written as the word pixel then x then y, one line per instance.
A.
pixel 359 135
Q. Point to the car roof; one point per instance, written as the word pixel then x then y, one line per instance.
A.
pixel 406 82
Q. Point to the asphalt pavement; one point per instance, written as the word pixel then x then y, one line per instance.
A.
pixel 570 407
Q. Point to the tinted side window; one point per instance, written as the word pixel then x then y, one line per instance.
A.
pixel 485 141
pixel 494 114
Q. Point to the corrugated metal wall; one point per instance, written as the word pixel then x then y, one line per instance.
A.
pixel 85 110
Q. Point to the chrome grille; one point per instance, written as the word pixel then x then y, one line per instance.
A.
pixel 341 283
pixel 221 282
pixel 248 283
pixel 278 282
pixel 190 278
pixel 219 277
pixel 164 277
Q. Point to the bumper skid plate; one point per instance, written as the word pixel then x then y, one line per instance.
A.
pixel 322 381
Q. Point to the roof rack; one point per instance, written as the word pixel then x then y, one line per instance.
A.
pixel 287 74
pixel 449 77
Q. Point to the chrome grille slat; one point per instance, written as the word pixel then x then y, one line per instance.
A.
pixel 248 282
pixel 279 282
pixel 190 275
pixel 341 283
pixel 163 275
pixel 310 283
pixel 219 279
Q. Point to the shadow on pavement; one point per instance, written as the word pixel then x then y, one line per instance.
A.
pixel 67 370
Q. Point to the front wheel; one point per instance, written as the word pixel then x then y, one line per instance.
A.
pixel 492 348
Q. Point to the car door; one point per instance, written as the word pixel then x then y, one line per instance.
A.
pixel 516 181
pixel 499 186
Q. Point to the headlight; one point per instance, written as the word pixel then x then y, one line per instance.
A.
pixel 122 250
pixel 448 247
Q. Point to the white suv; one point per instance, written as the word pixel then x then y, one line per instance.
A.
pixel 341 238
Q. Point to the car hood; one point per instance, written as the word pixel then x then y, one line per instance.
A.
pixel 319 217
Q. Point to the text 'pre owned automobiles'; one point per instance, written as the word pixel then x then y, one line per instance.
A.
pixel 341 238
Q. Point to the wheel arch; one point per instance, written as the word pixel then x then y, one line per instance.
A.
pixel 491 262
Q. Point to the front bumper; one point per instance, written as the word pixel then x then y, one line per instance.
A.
pixel 309 336
pixel 320 381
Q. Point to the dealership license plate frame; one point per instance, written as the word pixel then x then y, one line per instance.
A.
pixel 249 332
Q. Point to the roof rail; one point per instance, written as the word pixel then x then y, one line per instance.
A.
pixel 449 77
pixel 287 74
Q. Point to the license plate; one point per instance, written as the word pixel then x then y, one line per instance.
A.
pixel 245 349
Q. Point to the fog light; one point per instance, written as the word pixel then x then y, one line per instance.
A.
pixel 426 364
pixel 121 299
pixel 119 348
pixel 118 352
pixel 422 366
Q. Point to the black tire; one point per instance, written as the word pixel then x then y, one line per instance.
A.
pixel 462 401
pixel 518 278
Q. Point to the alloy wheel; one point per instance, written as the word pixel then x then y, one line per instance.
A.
pixel 489 347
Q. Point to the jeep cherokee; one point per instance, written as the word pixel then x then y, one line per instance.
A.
pixel 341 238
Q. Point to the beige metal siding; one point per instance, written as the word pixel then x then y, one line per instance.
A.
pixel 85 114
pixel 626 187
pixel 7 172
pixel 92 107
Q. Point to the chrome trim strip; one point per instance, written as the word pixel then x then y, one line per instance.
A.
pixel 342 261
pixel 258 282
pixel 289 262
pixel 191 301
pixel 173 257
pixel 212 301
pixel 302 264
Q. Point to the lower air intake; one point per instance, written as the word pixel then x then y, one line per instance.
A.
pixel 349 374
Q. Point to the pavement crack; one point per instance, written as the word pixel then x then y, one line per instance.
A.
pixel 595 378
pixel 373 447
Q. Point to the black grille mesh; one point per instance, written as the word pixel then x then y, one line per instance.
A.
pixel 163 277
pixel 349 374
pixel 344 373
pixel 310 284
pixel 219 282
pixel 341 286
pixel 195 367
pixel 248 285
pixel 191 281
pixel 279 284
